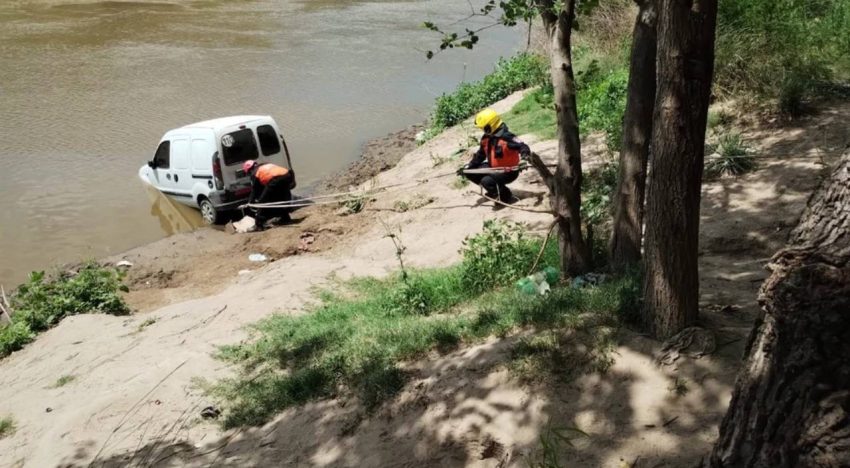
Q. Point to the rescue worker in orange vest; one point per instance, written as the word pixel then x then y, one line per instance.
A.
pixel 499 149
pixel 269 183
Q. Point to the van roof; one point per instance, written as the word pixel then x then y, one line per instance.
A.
pixel 226 121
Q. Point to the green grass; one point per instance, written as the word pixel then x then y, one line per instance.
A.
pixel 600 100
pixel 534 114
pixel 519 72
pixel 41 302
pixel 145 324
pixel 64 380
pixel 353 341
pixel 7 427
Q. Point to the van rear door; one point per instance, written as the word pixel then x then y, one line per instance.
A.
pixel 237 146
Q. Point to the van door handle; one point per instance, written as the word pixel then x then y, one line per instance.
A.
pixel 176 178
pixel 168 176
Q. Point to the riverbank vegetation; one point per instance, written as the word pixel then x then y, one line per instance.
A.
pixel 356 340
pixel 42 302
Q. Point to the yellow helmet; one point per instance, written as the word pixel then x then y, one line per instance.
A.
pixel 488 120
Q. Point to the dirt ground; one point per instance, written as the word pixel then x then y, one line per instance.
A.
pixel 136 399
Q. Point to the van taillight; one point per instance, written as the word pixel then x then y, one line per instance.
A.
pixel 216 166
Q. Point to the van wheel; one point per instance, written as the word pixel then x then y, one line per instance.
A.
pixel 208 211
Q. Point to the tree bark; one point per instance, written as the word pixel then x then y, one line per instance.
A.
pixel 685 68
pixel 791 405
pixel 565 186
pixel 625 244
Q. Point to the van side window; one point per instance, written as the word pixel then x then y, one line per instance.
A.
pixel 239 146
pixel 269 143
pixel 162 158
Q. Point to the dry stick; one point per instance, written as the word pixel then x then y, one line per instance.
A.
pixel 131 410
pixel 197 455
pixel 162 435
pixel 543 247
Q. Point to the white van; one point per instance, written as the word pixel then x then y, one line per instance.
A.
pixel 200 165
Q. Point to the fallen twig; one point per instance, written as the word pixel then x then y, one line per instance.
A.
pixel 670 421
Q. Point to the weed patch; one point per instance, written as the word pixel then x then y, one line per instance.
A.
pixel 41 303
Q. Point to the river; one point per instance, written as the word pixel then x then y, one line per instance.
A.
pixel 87 88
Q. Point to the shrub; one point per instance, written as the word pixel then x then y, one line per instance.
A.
pixel 519 72
pixel 497 256
pixel 41 303
pixel 601 101
pixel 730 157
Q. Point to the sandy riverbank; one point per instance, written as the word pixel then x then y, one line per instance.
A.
pixel 135 401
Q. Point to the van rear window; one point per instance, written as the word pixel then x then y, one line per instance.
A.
pixel 239 146
pixel 269 143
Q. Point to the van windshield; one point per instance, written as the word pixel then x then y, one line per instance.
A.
pixel 239 146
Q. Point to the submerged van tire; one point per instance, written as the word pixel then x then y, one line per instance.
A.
pixel 208 211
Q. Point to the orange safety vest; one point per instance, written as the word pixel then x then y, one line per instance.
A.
pixel 499 154
pixel 268 171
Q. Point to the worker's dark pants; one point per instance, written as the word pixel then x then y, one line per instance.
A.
pixel 277 190
pixel 495 185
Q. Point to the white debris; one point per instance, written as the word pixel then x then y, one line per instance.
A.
pixel 246 224
pixel 124 263
pixel 244 272
pixel 257 257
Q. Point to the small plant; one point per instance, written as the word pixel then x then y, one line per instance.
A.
pixel 41 303
pixel 62 381
pixel 7 427
pixel 730 157
pixel 717 119
pixel 460 183
pixel 554 440
pixel 679 386
pixel 354 205
pixel 498 255
pixel 145 324
pixel 417 202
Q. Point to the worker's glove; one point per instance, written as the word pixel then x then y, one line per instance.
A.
pixel 460 171
pixel 525 154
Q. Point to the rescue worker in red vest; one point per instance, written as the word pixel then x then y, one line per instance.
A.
pixel 499 149
pixel 269 183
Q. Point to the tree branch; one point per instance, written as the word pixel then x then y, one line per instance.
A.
pixel 541 168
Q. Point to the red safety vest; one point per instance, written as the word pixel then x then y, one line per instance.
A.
pixel 269 171
pixel 499 154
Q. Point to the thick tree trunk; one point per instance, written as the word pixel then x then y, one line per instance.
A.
pixel 791 405
pixel 637 129
pixel 566 183
pixel 685 68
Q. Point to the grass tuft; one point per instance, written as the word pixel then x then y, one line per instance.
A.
pixel 7 426
pixel 62 381
pixel 731 156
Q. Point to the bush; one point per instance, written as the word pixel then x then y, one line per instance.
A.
pixel 519 72
pixel 497 256
pixel 41 303
pixel 601 101
pixel 730 157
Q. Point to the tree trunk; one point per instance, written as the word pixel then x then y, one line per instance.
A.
pixel 565 186
pixel 685 68
pixel 637 129
pixel 791 405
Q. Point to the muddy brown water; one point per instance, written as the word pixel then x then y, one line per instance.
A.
pixel 87 88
